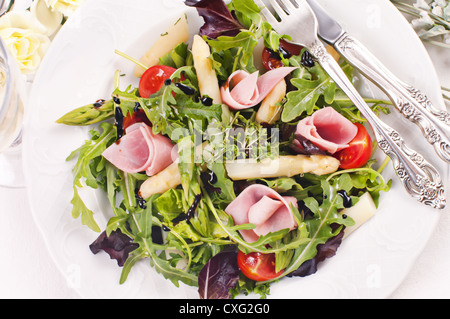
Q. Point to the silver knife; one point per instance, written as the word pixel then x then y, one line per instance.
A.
pixel 409 101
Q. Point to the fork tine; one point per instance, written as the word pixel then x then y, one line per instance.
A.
pixel 268 16
pixel 295 4
pixel 278 9
pixel 259 3
pixel 289 6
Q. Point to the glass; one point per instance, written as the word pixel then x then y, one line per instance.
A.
pixel 12 85
pixel 6 6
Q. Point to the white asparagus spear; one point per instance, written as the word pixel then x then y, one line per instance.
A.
pixel 207 77
pixel 168 178
pixel 284 166
pixel 160 183
pixel 270 111
pixel 363 211
pixel 176 34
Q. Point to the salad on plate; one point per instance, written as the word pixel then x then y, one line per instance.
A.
pixel 235 163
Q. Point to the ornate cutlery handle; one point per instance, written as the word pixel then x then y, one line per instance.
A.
pixel 418 176
pixel 420 179
pixel 410 102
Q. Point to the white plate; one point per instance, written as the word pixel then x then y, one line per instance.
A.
pixel 79 69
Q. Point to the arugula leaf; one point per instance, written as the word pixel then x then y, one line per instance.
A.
pixel 85 170
pixel 127 98
pixel 144 223
pixel 226 186
pixel 171 109
pixel 127 186
pixel 304 99
pixel 346 107
pixel 247 286
pixel 242 46
pixel 118 221
pixel 140 223
pixel 80 209
pixel 360 180
pixel 223 62
pixel 246 11
pixel 187 165
pixel 179 57
pixel 159 112
pixel 132 259
pixel 175 275
pixel 320 228
pixel 197 111
pixel 91 150
pixel 324 251
pixel 283 184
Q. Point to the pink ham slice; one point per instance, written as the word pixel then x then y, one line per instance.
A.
pixel 328 130
pixel 264 207
pixel 249 90
pixel 140 150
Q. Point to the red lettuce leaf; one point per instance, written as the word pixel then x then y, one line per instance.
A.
pixel 218 276
pixel 324 251
pixel 117 245
pixel 219 21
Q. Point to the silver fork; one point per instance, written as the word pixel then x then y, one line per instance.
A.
pixel 411 103
pixel 420 179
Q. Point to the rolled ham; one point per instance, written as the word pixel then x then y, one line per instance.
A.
pixel 139 150
pixel 243 90
pixel 264 207
pixel 327 129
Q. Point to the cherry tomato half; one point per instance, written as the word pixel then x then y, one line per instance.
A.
pixel 153 79
pixel 137 117
pixel 291 48
pixel 271 60
pixel 359 151
pixel 257 266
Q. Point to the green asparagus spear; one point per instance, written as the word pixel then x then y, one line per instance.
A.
pixel 89 114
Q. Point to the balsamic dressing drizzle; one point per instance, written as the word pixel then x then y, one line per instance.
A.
pixel 116 100
pixel 190 213
pixel 118 117
pixel 185 89
pixel 347 200
pixel 307 60
pixel 206 101
pixel 179 219
pixel 142 203
pixel 284 53
pixel 157 236
pixel 193 208
pixel 137 106
pixel 99 103
pixel 212 178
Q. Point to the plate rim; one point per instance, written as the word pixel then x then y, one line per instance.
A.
pixel 27 174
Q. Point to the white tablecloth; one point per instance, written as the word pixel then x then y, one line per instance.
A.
pixel 28 271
